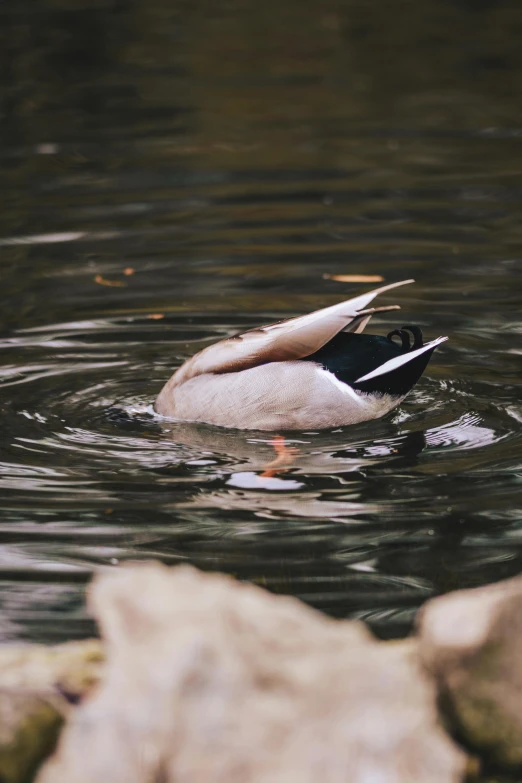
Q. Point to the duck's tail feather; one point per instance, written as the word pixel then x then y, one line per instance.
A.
pixel 358 303
pixel 359 322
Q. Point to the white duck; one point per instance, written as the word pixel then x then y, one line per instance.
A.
pixel 310 372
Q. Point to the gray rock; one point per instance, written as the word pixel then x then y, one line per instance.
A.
pixel 471 641
pixel 212 681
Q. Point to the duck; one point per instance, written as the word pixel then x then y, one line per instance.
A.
pixel 311 372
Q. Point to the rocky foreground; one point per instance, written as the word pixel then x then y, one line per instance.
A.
pixel 199 678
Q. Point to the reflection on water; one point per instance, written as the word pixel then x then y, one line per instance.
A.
pixel 203 170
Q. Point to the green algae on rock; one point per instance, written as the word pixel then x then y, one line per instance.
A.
pixel 37 684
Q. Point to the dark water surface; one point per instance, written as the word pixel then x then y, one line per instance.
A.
pixel 210 163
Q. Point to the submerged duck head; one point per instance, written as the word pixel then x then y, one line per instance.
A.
pixel 314 371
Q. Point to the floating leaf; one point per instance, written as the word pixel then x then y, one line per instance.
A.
pixel 355 278
pixel 103 281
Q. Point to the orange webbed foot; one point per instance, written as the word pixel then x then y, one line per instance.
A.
pixel 285 456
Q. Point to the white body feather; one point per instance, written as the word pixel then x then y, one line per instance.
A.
pixel 276 396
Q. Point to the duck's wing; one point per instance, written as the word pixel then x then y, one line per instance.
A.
pixel 294 338
pixel 399 361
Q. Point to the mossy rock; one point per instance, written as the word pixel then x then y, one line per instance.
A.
pixel 38 684
pixel 29 728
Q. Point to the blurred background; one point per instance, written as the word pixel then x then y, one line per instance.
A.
pixel 173 172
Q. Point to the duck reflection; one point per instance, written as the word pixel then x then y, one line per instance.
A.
pixel 335 452
pixel 313 475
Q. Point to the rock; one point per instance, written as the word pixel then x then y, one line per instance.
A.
pixel 470 641
pixel 211 681
pixel 29 727
pixel 33 681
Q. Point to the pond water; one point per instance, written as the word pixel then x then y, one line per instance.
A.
pixel 176 172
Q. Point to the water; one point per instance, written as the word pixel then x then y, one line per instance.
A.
pixel 174 173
